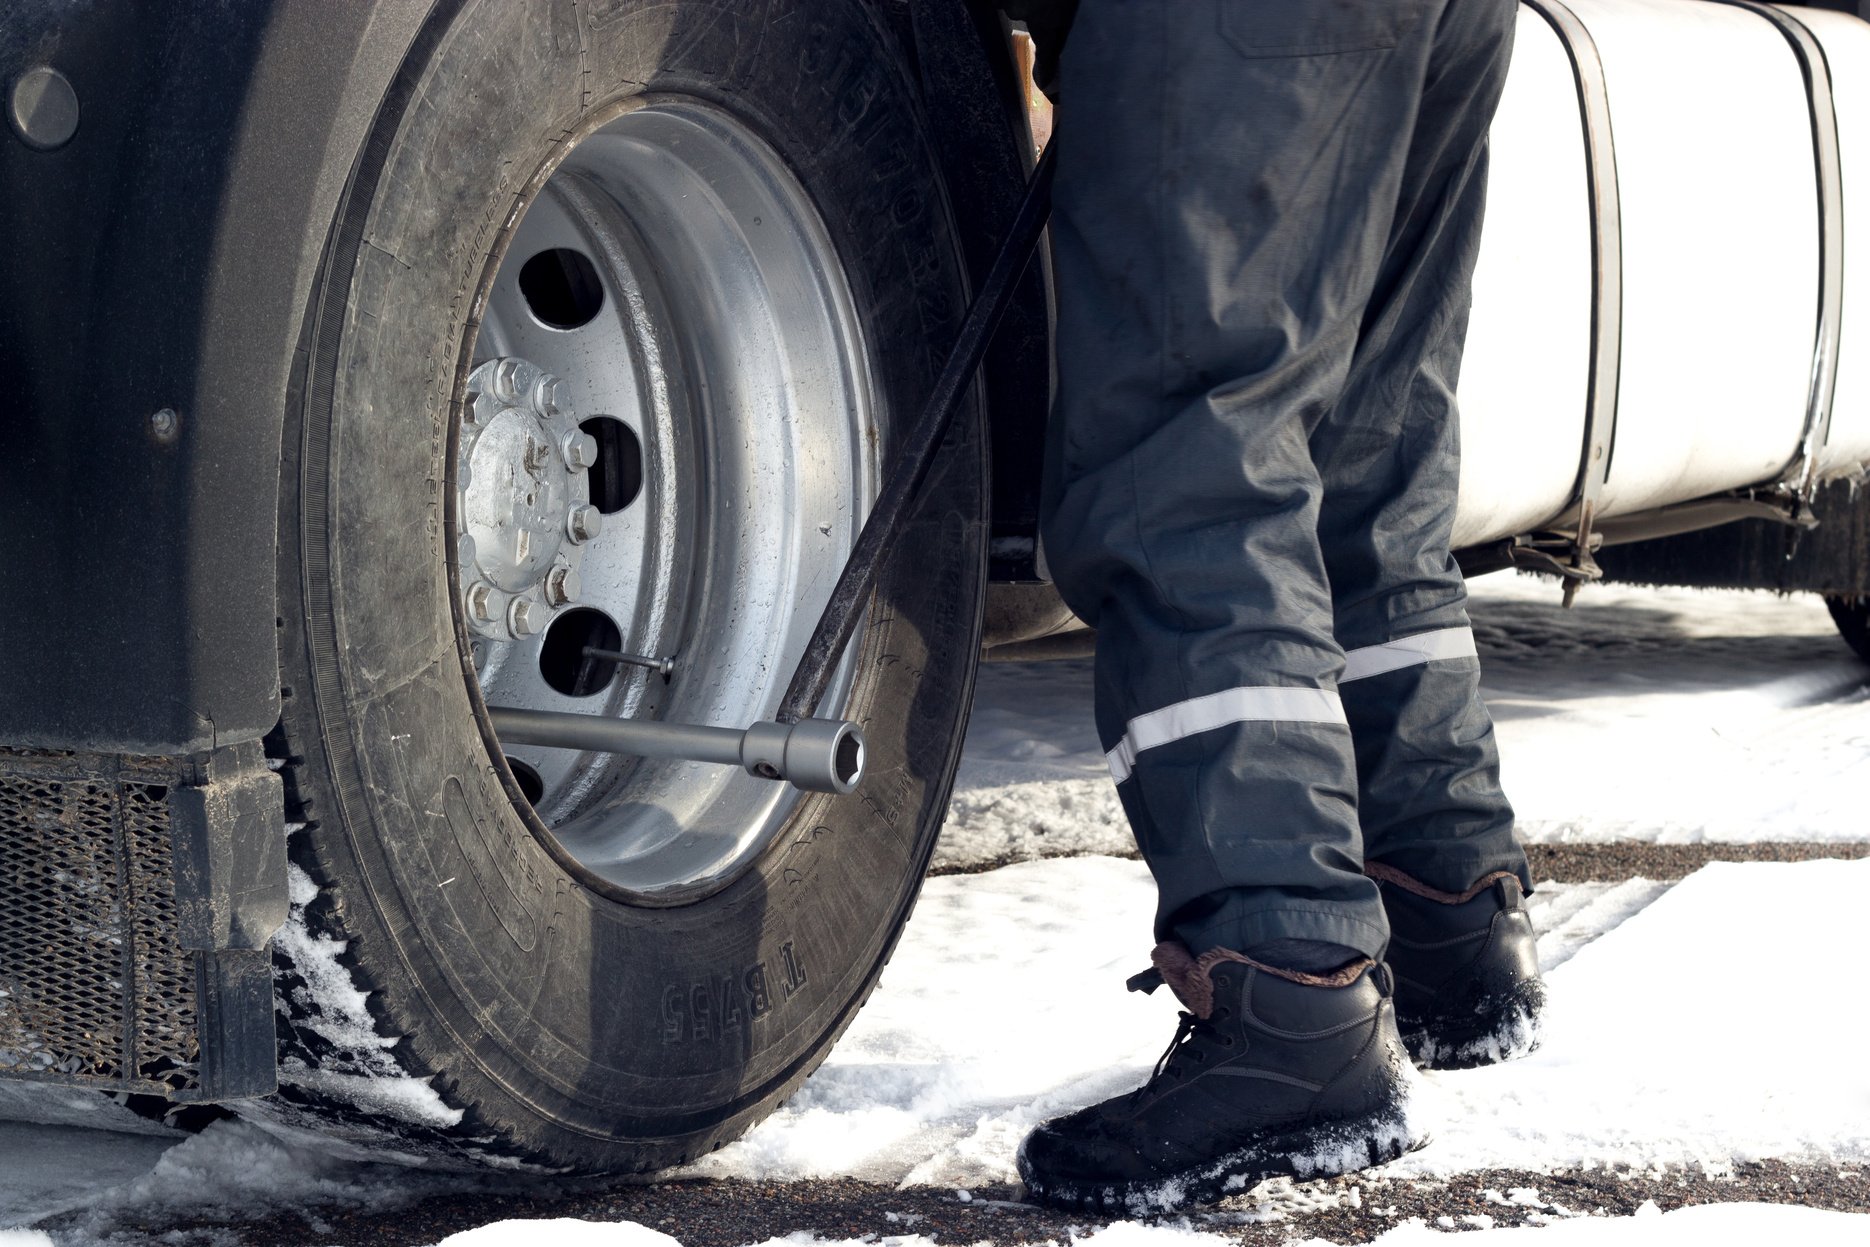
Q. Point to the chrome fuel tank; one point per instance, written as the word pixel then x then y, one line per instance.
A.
pixel 1664 305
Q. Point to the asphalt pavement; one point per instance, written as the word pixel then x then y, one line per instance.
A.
pixel 1353 1209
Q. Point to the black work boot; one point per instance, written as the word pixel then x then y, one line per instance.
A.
pixel 1468 991
pixel 1272 1072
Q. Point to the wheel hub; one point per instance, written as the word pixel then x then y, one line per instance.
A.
pixel 524 499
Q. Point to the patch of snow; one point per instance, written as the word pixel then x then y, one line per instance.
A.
pixel 359 1068
pixel 993 823
pixel 1700 716
pixel 1002 1006
pixel 1568 916
pixel 1666 1039
pixel 1649 1227
pixel 1033 782
pixel 562 1232
pixel 1708 1028
pixel 1137 1234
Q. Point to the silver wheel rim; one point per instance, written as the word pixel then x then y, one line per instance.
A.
pixel 727 345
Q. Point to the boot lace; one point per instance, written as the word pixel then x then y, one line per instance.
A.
pixel 1166 1067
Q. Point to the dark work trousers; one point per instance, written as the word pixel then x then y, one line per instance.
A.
pixel 1265 224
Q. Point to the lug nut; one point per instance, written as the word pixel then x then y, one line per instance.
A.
pixel 584 523
pixel 480 408
pixel 506 380
pixel 580 450
pixel 466 551
pixel 525 617
pixel 550 396
pixel 562 585
pixel 483 601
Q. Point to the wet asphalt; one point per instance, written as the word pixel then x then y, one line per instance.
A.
pixel 1354 1209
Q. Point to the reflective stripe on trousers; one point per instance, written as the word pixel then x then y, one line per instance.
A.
pixel 1281 705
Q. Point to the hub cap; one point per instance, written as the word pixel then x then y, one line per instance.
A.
pixel 524 499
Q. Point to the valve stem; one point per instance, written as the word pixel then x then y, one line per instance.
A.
pixel 665 667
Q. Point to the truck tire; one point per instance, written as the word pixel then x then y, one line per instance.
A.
pixel 1852 616
pixel 720 226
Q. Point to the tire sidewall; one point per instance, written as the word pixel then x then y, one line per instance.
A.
pixel 574 1026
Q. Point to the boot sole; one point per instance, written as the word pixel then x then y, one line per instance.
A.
pixel 1323 1150
pixel 1505 1031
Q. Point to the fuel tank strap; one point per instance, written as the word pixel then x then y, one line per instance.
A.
pixel 1801 474
pixel 1606 368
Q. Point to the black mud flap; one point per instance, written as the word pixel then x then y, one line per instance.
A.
pixel 138 901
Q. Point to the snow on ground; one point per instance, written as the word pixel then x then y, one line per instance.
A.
pixel 1707 1022
pixel 1681 1036
pixel 560 1232
pixel 1639 714
pixel 1650 1227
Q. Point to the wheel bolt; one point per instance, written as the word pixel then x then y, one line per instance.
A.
pixel 583 523
pixel 562 585
pixel 480 407
pixel 580 451
pixel 506 380
pixel 525 617
pixel 483 601
pixel 550 396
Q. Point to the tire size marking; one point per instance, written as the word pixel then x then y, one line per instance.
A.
pixel 721 1008
pixel 889 799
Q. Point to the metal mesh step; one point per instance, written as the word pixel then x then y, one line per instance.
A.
pixel 95 988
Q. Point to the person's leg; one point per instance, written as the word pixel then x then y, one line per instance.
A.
pixel 1226 180
pixel 1429 795
pixel 1437 829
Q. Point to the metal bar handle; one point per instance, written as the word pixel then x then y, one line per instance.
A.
pixel 859 577
pixel 818 755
